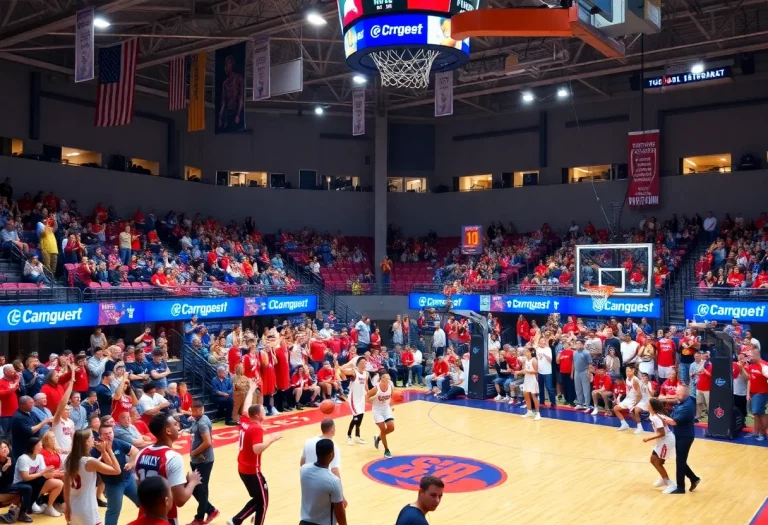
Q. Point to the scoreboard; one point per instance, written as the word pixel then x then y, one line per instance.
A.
pixel 472 240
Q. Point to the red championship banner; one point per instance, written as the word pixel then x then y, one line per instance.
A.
pixel 643 168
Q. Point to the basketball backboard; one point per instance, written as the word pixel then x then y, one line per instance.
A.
pixel 628 268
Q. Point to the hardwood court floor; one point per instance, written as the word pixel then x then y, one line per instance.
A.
pixel 558 472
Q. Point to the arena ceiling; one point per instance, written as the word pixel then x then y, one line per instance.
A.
pixel 40 33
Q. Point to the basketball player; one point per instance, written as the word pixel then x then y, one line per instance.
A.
pixel 664 448
pixel 252 444
pixel 380 398
pixel 358 383
pixel 161 460
pixel 634 393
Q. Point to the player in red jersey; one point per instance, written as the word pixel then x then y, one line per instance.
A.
pixel 757 393
pixel 251 445
pixel 161 460
pixel 156 499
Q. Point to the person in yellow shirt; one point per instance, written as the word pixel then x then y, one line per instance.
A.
pixel 49 250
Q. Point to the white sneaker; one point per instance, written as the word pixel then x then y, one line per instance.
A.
pixel 661 482
pixel 275 412
pixel 360 440
pixel 512 401
pixel 595 412
pixel 578 407
pixel 36 509
pixel 506 399
pixel 528 414
pixel 50 511
pixel 537 416
pixel 498 398
pixel 408 385
pixel 638 430
pixel 670 488
pixel 230 522
pixel 349 441
pixel 623 426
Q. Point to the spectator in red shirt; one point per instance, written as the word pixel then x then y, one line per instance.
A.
pixel 234 358
pixel 81 376
pixel 326 380
pixel 523 330
pixel 160 279
pixel 601 389
pixel 702 388
pixel 735 277
pixel 757 393
pixel 565 361
pixel 439 374
pixel 9 401
pixel 376 340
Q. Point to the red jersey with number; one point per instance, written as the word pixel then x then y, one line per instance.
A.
pixel 666 352
pixel 157 460
pixel 758 383
pixel 251 433
pixel 124 404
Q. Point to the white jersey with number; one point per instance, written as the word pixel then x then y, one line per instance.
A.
pixel 82 496
pixel 380 404
pixel 664 447
pixel 358 387
pixel 645 396
pixel 630 401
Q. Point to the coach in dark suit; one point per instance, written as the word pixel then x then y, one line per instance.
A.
pixel 682 419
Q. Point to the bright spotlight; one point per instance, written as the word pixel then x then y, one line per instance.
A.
pixel 562 92
pixel 318 110
pixel 697 68
pixel 315 19
pixel 101 22
pixel 359 79
pixel 528 97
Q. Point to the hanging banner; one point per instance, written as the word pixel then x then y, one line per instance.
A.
pixel 196 107
pixel 643 168
pixel 261 69
pixel 84 48
pixel 230 89
pixel 358 112
pixel 444 94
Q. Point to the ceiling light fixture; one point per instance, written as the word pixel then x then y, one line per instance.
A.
pixel 359 79
pixel 319 110
pixel 73 154
pixel 697 68
pixel 562 92
pixel 528 97
pixel 101 23
pixel 689 161
pixel 723 159
pixel 315 19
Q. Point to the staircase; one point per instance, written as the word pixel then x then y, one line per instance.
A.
pixel 195 371
pixel 684 282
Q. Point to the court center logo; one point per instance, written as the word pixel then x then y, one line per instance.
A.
pixel 702 310
pixel 459 474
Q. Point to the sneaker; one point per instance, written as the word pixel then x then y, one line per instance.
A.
pixel 212 516
pixel 623 426
pixel 595 412
pixel 197 522
pixel 661 482
pixel 537 417
pixel 579 407
pixel 760 437
pixel 638 430
pixel 360 440
pixel 23 518
pixel 506 398
pixel 672 489
pixel 695 484
pixel 752 435
pixel 498 398
pixel 7 518
pixel 376 440
pixel 387 454
pixel 275 412
pixel 50 511
pixel 512 401
pixel 408 385
pixel 299 407
pixel 230 522
pixel 349 441
pixel 528 414
pixel 36 509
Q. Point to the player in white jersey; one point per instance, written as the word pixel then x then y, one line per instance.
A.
pixel 634 393
pixel 80 477
pixel 380 397
pixel 664 446
pixel 358 386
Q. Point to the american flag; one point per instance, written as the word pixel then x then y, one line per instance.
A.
pixel 177 84
pixel 117 84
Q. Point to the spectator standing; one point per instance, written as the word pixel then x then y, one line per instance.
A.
pixel 77 412
pixel 564 361
pixel 125 240
pixel 544 360
pixel 319 486
pixel 9 402
pixel 159 371
pixel 363 329
pixel 309 454
pixel 757 394
pixel 580 375
pixel 155 499
pixel 430 495
pixel 96 365
pixel 438 340
pixel 710 226
pixel 201 460
pixel 49 249
pixel 386 272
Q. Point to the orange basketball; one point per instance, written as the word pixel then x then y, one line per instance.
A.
pixel 397 396
pixel 327 406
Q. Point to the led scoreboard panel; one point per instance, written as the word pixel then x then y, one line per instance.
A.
pixel 472 240
pixel 352 10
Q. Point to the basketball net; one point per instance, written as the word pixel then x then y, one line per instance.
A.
pixel 600 295
pixel 405 68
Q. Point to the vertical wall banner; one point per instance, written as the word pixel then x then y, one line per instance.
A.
pixel 261 69
pixel 643 168
pixel 444 94
pixel 358 112
pixel 84 47
pixel 196 107
pixel 230 89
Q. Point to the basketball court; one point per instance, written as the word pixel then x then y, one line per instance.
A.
pixel 507 466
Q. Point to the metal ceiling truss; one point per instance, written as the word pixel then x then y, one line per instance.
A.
pixel 41 33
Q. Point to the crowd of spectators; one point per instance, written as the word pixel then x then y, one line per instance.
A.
pixel 111 386
pixel 100 248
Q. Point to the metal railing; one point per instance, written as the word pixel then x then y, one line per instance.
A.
pixel 197 371
pixel 728 293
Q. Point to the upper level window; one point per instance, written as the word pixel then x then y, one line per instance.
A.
pixel 147 167
pixel 589 173
pixel 526 178
pixel 248 178
pixel 719 163
pixel 193 174
pixel 79 157
pixel 407 184
pixel 476 182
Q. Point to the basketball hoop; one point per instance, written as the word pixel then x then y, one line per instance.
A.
pixel 405 68
pixel 600 295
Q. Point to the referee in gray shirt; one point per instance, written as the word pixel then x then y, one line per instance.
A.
pixel 322 501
